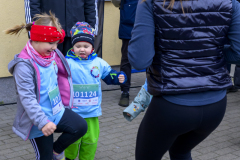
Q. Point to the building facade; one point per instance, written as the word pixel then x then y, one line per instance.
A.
pixel 12 13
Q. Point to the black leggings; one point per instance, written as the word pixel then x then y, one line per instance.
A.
pixel 176 128
pixel 72 127
pixel 125 65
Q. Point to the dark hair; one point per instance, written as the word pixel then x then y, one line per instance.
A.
pixel 41 19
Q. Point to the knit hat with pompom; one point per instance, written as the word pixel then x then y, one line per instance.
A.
pixel 82 32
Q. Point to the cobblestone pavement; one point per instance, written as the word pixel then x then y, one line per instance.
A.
pixel 117 137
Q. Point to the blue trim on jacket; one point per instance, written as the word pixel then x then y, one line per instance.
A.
pixel 71 54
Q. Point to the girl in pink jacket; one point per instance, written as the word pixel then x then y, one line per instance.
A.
pixel 45 92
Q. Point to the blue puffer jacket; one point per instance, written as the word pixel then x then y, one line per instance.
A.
pixel 127 18
pixel 189 47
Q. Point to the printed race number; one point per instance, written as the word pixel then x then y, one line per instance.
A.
pixel 86 94
pixel 56 100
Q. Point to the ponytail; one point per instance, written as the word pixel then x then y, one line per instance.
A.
pixel 18 29
pixel 43 19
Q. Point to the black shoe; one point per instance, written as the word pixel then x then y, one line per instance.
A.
pixel 232 89
pixel 124 100
pixel 67 158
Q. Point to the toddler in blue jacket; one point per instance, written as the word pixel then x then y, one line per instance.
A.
pixel 87 71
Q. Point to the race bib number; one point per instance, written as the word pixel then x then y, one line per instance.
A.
pixel 85 95
pixel 56 100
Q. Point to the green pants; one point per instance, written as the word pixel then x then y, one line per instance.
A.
pixel 87 145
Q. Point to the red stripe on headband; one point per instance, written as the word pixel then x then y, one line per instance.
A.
pixel 46 34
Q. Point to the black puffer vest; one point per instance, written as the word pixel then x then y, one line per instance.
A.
pixel 189 47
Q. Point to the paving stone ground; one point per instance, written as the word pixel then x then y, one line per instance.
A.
pixel 118 136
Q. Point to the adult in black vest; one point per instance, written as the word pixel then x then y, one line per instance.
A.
pixel 68 13
pixel 181 44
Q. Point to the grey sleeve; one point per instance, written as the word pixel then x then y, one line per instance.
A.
pixel 24 78
pixel 141 46
pixel 232 51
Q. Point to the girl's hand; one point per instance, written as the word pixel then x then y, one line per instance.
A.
pixel 49 128
pixel 121 78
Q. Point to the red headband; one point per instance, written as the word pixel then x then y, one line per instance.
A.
pixel 46 34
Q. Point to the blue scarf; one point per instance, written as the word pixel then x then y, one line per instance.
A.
pixel 71 54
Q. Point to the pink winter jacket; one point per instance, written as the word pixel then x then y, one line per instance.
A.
pixel 27 79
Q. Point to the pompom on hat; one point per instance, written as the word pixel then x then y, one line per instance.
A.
pixel 82 32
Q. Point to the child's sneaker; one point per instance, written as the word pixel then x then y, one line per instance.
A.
pixel 59 156
pixel 139 104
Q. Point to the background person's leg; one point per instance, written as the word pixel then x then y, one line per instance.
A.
pixel 125 67
pixel 237 77
pixel 234 88
pixel 229 67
